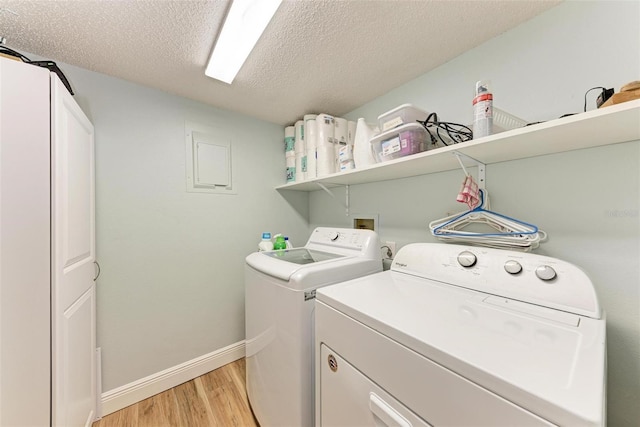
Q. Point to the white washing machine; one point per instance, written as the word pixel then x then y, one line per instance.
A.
pixel 462 336
pixel 280 291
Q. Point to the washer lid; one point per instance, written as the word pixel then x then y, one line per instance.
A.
pixel 283 264
pixel 301 255
pixel 331 255
pixel 553 365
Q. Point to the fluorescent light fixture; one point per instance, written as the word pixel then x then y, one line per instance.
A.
pixel 244 25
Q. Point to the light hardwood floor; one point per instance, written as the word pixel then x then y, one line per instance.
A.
pixel 218 398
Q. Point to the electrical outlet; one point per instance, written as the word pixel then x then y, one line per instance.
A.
pixel 392 248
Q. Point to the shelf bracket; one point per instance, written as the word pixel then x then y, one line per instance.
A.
pixel 346 195
pixel 482 178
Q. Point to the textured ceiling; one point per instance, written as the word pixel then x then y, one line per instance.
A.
pixel 315 56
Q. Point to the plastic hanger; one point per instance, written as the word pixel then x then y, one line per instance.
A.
pixel 505 232
pixel 504 224
pixel 510 233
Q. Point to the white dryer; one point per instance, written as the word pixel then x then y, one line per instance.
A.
pixel 462 336
pixel 280 291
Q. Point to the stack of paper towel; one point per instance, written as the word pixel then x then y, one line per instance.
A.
pixel 319 145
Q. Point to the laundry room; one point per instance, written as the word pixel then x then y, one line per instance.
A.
pixel 171 258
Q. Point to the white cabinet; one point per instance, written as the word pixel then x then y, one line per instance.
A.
pixel 606 126
pixel 47 252
pixel 24 245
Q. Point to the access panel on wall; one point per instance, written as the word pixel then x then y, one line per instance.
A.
pixel 208 160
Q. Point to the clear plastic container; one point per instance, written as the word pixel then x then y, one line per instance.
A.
pixel 503 121
pixel 405 113
pixel 405 140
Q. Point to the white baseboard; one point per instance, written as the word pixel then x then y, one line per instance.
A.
pixel 128 394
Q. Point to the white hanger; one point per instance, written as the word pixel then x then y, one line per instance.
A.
pixel 505 232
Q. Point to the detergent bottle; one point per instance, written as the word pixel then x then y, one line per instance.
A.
pixel 280 243
pixel 265 244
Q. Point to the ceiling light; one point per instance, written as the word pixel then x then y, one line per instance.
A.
pixel 244 25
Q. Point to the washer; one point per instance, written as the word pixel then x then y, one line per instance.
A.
pixel 280 292
pixel 458 335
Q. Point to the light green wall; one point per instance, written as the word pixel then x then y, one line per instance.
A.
pixel 587 200
pixel 172 285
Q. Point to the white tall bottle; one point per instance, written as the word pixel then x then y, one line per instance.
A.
pixel 482 110
pixel 362 154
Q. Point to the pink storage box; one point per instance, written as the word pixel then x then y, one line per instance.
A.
pixel 405 140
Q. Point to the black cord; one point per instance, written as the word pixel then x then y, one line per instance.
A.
pixel 585 95
pixel 445 132
pixel 571 114
pixel 11 52
pixel 50 65
pixel 389 253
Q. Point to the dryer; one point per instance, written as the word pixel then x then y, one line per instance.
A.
pixel 459 335
pixel 280 288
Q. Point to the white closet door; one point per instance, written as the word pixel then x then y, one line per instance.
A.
pixel 73 256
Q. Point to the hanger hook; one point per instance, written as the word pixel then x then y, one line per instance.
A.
pixel 461 164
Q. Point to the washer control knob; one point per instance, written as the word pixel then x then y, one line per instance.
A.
pixel 512 267
pixel 333 235
pixel 544 272
pixel 467 259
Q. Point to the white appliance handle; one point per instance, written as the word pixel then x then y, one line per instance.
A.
pixel 389 416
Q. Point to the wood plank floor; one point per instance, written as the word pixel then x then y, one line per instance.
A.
pixel 218 398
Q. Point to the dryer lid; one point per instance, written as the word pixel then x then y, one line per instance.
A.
pixel 552 362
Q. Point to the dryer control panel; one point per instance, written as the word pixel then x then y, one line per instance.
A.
pixel 527 277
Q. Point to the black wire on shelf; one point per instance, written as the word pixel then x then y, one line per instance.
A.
pixel 52 66
pixel 587 92
pixel 445 132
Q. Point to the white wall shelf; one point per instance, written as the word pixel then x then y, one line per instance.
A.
pixel 610 125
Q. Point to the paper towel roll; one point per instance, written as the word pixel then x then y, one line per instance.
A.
pixel 291 168
pixel 339 136
pixel 351 132
pixel 310 133
pixel 289 140
pixel 325 160
pixel 362 155
pixel 299 145
pixel 301 167
pixel 312 171
pixel 324 130
pixel 340 130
